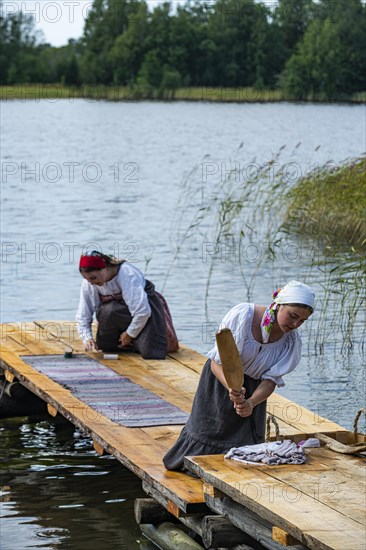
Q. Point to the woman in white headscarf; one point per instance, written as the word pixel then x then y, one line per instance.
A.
pixel 270 347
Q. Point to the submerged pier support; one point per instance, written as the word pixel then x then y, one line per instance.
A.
pixel 16 400
pixel 168 536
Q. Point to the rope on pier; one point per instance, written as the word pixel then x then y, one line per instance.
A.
pixel 355 422
pixel 271 418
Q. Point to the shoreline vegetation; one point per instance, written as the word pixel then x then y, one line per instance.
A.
pixel 305 50
pixel 94 92
pixel 330 204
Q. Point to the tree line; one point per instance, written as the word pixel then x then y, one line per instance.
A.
pixel 309 49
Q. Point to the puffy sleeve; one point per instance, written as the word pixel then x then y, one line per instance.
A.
pixel 287 361
pixel 86 309
pixel 236 320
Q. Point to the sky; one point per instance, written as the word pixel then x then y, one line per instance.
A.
pixel 60 20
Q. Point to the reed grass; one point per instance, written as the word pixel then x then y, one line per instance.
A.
pixel 330 204
pixel 95 92
pixel 237 213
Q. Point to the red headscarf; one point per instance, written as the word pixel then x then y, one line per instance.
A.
pixel 92 261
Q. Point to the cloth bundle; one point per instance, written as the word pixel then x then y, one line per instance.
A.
pixel 273 453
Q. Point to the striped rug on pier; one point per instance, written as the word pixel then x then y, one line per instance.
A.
pixel 107 392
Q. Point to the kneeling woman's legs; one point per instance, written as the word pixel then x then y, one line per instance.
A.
pixel 152 341
pixel 114 318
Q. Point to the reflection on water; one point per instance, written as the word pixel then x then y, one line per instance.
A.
pixel 80 175
pixel 56 492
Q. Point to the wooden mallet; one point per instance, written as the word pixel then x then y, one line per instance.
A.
pixel 231 362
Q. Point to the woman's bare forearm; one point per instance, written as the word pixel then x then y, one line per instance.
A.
pixel 218 372
pixel 264 390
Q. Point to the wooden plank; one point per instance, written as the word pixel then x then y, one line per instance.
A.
pixel 51 410
pixel 219 532
pixel 98 447
pixel 170 371
pixel 44 348
pixel 167 434
pixel 64 331
pixel 201 508
pixel 9 376
pixel 141 451
pixel 7 329
pixel 279 535
pixel 189 358
pixel 330 488
pixel 148 510
pixel 307 519
pixel 168 535
pixel 350 467
pixel 300 418
pixel 12 345
pixel 247 521
pixel 34 340
pixel 212 491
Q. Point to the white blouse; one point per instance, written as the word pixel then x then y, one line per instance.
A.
pixel 260 361
pixel 131 283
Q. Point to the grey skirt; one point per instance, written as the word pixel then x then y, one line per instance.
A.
pixel 213 426
pixel 114 317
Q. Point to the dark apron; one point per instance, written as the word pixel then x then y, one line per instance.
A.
pixel 214 426
pixel 114 317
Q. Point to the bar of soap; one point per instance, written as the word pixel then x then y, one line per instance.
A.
pixel 110 356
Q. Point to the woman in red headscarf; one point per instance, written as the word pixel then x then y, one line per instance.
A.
pixel 131 315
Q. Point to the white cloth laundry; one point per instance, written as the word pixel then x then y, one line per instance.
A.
pixel 311 442
pixel 273 453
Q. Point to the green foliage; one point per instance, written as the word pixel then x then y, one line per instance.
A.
pixel 308 49
pixel 151 72
pixel 72 72
pixel 128 51
pixel 107 20
pixel 330 204
pixel 25 58
pixel 329 61
pixel 18 41
pixel 293 19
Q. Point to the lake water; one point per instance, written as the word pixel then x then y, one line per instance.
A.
pixel 80 175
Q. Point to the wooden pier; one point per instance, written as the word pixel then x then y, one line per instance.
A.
pixel 318 505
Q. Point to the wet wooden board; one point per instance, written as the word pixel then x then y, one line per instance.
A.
pixel 140 449
pixel 319 505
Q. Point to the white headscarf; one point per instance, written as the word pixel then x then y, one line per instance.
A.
pixel 296 293
pixel 292 293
